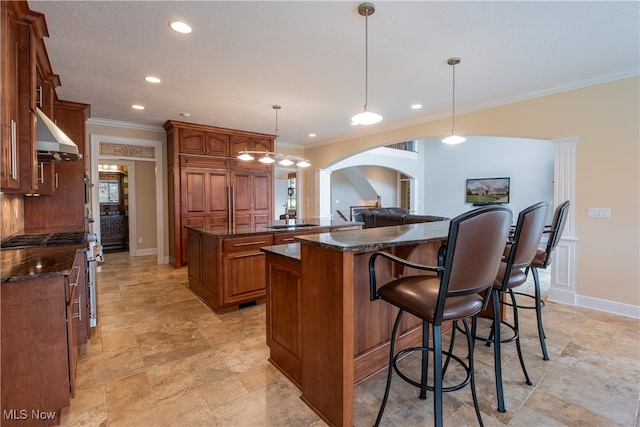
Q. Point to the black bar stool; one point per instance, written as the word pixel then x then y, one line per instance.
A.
pixel 518 255
pixel 470 262
pixel 543 259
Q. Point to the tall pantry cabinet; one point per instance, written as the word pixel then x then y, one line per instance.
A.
pixel 209 186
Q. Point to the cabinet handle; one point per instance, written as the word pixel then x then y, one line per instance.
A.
pixel 41 167
pixel 14 151
pixel 247 255
pixel 288 239
pixel 79 315
pixel 39 97
pixel 56 179
pixel 249 243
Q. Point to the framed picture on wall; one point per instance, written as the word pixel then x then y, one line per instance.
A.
pixel 483 191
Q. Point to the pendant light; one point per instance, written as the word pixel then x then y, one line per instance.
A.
pixel 269 157
pixel 366 117
pixel 453 138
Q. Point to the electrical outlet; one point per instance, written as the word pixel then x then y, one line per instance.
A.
pixel 139 240
pixel 604 213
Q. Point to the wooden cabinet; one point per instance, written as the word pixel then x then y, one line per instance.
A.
pixel 47 178
pixel 29 82
pixel 284 326
pixel 66 206
pixel 9 176
pixel 207 186
pixel 227 272
pixel 195 141
pixel 114 231
pixel 42 321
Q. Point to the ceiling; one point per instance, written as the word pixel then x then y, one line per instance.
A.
pixel 309 57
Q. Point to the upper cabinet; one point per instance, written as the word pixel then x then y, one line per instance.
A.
pixel 28 82
pixel 9 173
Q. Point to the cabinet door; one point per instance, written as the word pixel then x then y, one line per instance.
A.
pixel 245 277
pixel 47 178
pixel 192 141
pixel 241 143
pixel 9 173
pixel 216 144
pixel 252 197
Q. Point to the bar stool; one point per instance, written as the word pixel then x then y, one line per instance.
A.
pixel 542 259
pixel 518 256
pixel 470 263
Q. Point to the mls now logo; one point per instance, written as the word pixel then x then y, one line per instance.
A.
pixel 23 414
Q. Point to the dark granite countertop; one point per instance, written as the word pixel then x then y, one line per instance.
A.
pixel 281 226
pixel 289 251
pixel 33 262
pixel 378 238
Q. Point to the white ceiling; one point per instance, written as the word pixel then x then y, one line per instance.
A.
pixel 243 57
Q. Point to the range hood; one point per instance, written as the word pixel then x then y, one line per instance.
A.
pixel 52 141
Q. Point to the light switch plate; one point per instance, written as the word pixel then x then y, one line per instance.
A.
pixel 599 213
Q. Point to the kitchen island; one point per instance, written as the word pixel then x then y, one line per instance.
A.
pixel 323 331
pixel 226 267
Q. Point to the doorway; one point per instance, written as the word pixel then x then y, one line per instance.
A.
pixel 148 202
pixel 113 196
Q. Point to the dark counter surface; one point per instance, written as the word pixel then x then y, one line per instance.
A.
pixel 282 226
pixel 33 262
pixel 289 251
pixel 379 237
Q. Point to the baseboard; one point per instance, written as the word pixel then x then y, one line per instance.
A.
pixel 148 251
pixel 612 307
pixel 563 297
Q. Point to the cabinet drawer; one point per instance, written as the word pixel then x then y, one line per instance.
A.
pixel 247 244
pixel 203 162
pixel 285 238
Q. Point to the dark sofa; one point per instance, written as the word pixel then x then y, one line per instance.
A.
pixel 382 217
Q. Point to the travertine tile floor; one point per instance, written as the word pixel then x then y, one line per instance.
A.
pixel 160 357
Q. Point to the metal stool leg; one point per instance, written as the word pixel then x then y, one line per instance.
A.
pixel 516 326
pixel 391 364
pixel 497 361
pixel 437 376
pixel 425 361
pixel 541 333
pixel 470 344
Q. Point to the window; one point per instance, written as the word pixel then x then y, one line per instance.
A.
pixel 109 191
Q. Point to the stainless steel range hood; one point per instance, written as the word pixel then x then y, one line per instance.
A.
pixel 51 140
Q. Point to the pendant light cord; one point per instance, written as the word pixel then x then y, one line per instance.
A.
pixel 366 61
pixel 453 113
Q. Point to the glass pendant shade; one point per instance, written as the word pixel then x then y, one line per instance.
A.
pixel 285 162
pixel 266 159
pixel 303 164
pixel 366 118
pixel 244 155
pixel 454 139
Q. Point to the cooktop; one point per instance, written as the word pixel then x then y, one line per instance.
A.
pixel 51 239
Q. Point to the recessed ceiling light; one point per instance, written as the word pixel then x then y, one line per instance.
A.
pixel 185 114
pixel 137 107
pixel 312 135
pixel 180 27
pixel 416 106
pixel 152 79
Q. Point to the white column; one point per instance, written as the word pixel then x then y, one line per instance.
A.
pixel 563 286
pixel 323 193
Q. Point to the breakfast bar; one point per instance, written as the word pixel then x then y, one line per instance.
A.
pixel 323 331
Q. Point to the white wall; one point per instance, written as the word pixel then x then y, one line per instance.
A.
pixel 528 162
pixel 344 195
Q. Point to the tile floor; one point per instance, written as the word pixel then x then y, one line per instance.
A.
pixel 160 357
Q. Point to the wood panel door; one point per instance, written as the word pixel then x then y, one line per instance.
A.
pixel 252 197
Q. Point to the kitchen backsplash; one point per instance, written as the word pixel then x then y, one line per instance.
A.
pixel 12 214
